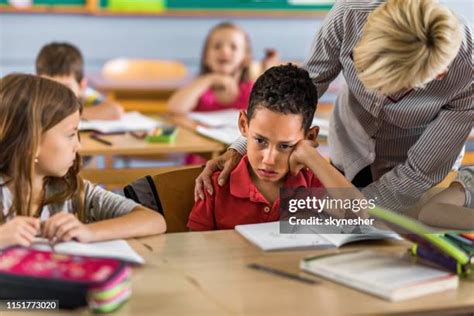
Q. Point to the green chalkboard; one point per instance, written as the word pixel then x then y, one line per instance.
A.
pixel 243 5
pixel 54 2
pixel 194 5
pixel 280 5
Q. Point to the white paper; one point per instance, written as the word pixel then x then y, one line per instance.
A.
pixel 131 121
pixel 224 118
pixel 267 237
pixel 226 135
pixel 388 276
pixel 118 249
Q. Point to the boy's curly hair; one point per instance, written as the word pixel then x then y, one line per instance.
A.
pixel 285 89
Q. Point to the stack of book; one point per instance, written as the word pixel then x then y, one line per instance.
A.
pixel 451 250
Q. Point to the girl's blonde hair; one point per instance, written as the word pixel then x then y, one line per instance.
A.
pixel 245 76
pixel 405 44
pixel 30 106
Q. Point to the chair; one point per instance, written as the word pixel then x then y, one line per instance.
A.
pixel 143 69
pixel 176 193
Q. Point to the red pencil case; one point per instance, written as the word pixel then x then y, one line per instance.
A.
pixel 30 274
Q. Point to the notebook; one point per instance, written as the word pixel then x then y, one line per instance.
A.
pixel 118 249
pixel 267 237
pixel 130 121
pixel 384 275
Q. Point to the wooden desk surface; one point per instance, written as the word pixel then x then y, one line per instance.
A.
pixel 205 274
pixel 125 144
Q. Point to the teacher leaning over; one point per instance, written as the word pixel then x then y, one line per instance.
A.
pixel 406 110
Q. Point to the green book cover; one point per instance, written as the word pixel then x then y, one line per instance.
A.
pixel 419 233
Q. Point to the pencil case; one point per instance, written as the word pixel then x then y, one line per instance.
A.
pixel 166 134
pixel 72 281
pixel 435 256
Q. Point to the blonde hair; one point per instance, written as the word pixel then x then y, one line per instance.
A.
pixel 245 76
pixel 30 106
pixel 405 44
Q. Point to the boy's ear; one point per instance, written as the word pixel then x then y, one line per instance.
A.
pixel 312 134
pixel 243 123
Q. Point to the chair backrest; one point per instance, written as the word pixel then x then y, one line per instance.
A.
pixel 176 193
pixel 143 69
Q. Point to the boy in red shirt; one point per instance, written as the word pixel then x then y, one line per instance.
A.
pixel 277 125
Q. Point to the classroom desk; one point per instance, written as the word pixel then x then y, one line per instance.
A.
pixel 126 145
pixel 148 96
pixel 205 274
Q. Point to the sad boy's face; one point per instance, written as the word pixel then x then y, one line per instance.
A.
pixel 271 138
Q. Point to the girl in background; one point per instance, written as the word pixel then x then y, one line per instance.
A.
pixel 224 80
pixel 39 172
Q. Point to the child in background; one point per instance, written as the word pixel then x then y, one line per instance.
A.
pixel 224 80
pixel 39 166
pixel 453 207
pixel 277 127
pixel 63 62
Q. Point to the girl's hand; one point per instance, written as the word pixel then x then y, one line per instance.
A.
pixel 226 88
pixel 272 58
pixel 19 231
pixel 65 227
pixel 301 153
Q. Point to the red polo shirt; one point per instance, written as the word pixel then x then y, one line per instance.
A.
pixel 239 201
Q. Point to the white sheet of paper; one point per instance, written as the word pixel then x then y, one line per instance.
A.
pixel 267 237
pixel 118 249
pixel 226 135
pixel 216 118
pixel 131 121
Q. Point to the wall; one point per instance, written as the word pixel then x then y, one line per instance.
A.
pixel 102 38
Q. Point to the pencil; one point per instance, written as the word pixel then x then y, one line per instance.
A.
pixel 284 274
pixel 100 140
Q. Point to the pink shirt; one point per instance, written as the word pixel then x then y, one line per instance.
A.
pixel 208 102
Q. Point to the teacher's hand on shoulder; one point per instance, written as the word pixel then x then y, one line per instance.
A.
pixel 225 162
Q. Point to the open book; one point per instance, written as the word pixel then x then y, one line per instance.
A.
pixel 117 249
pixel 267 236
pixel 130 121
pixel 385 275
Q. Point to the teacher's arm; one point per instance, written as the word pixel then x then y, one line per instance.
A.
pixel 430 159
pixel 323 62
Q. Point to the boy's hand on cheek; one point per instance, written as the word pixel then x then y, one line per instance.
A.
pixel 66 227
pixel 19 231
pixel 300 155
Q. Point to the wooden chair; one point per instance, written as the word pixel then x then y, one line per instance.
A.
pixel 176 192
pixel 143 69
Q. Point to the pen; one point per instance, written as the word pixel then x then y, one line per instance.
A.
pixel 100 140
pixel 284 274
